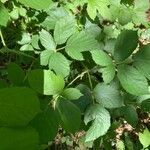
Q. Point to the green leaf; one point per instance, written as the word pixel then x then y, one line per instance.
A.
pixel 71 94
pixel 140 7
pixel 86 99
pixel 4 15
pixel 101 58
pixel 130 115
pixel 142 61
pixel 22 11
pixel 110 45
pixel 128 142
pixel 124 19
pixel 53 16
pixel 3 84
pixel 111 32
pixel 18 106
pixel 64 28
pixel 145 105
pixel 15 74
pixel 46 123
pixel 108 96
pixel 70 115
pixel 142 98
pixel 27 47
pixel 144 138
pixel 25 38
pixel 127 1
pixel 132 80
pixel 108 73
pixel 80 42
pixel 101 6
pixel 126 43
pixel 93 29
pixel 75 54
pixel 92 9
pixel 14 14
pixel 38 4
pixel 35 41
pixel 47 40
pixel 45 82
pixel 118 10
pixel 59 63
pixel 3 1
pixel 101 122
pixel 120 145
pixel 45 56
pixel 18 139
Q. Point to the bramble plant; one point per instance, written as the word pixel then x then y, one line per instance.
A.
pixel 74 66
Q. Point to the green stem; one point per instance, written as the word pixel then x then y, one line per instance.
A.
pixel 7 50
pixel 91 87
pixel 90 82
pixel 126 61
pixel 29 71
pixel 89 76
pixel 2 38
pixel 61 48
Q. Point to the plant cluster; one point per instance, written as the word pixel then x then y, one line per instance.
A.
pixel 77 66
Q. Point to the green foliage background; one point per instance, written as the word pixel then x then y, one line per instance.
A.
pixel 74 66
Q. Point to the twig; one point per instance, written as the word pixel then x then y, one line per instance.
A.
pixel 79 76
